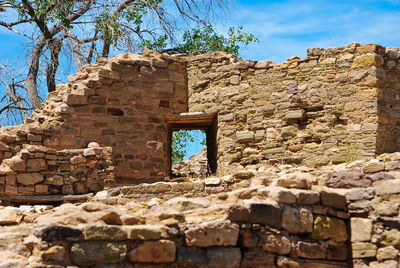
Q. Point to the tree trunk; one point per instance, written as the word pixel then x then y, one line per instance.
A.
pixel 55 47
pixel 32 75
pixel 76 51
pixel 106 45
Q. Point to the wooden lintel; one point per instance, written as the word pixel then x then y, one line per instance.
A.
pixel 202 121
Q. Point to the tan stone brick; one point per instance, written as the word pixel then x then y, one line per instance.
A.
pixel 41 189
pixel 361 229
pixel 363 250
pixel 367 60
pixel 161 251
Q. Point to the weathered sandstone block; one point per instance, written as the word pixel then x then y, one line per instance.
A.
pixel 390 237
pixel 9 216
pixel 161 251
pixel 297 220
pixel 363 250
pixel 244 136
pixel 310 250
pixel 348 179
pixel 257 258
pixel 329 228
pixel 29 178
pixel 361 229
pixel 191 257
pixel 224 257
pixel 54 253
pixel 216 233
pixel 97 252
pixel 104 232
pixel 387 253
pixel 144 232
pixel 268 213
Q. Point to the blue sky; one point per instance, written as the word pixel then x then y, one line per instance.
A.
pixel 288 28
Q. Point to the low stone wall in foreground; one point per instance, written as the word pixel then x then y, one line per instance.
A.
pixel 38 170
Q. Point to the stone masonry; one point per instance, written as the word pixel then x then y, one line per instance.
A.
pixel 120 103
pixel 335 105
pixel 301 178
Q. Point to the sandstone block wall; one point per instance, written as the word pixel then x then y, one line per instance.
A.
pixel 37 170
pixel 335 105
pixel 120 103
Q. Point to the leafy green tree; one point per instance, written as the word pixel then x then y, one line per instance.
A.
pixel 206 40
pixel 86 29
pixel 179 140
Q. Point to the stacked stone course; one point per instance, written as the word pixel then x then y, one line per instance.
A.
pixel 119 103
pixel 37 170
pixel 278 202
pixel 335 105
pixel 336 216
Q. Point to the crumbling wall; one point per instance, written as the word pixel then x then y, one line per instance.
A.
pixel 37 170
pixel 318 110
pixel 119 102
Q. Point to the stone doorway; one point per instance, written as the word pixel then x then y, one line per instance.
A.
pixel 196 121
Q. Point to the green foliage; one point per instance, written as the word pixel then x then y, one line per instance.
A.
pixel 206 40
pixel 179 143
pixel 157 44
pixel 179 140
pixel 109 24
pixel 52 11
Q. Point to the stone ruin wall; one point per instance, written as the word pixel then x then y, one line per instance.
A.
pixel 316 219
pixel 119 103
pixel 279 220
pixel 335 105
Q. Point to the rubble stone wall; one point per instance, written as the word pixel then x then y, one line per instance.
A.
pixel 119 102
pixel 335 105
pixel 37 170
pixel 337 216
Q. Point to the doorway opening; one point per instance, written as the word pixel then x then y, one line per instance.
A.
pixel 186 132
